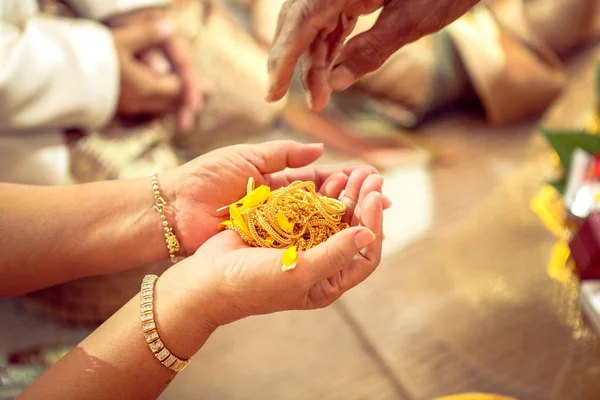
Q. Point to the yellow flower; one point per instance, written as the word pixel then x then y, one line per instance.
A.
pixel 224 225
pixel 236 218
pixel 289 259
pixel 284 223
pixel 254 198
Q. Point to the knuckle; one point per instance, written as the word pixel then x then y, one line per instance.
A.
pixel 337 257
pixel 372 49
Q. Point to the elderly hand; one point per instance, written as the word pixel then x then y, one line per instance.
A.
pixel 230 280
pixel 158 54
pixel 312 33
pixel 196 190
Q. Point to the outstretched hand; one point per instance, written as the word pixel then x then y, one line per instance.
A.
pixel 311 33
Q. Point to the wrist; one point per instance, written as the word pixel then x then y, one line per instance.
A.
pixel 183 316
pixel 143 222
pixel 168 183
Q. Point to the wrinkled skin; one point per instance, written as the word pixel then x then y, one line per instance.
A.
pixel 311 33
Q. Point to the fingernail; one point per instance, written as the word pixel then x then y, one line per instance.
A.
pixel 341 78
pixel 319 146
pixel 270 90
pixel 363 238
pixel 165 28
pixel 387 202
pixel 309 101
pixel 160 65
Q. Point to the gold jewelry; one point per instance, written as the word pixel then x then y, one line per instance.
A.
pixel 160 351
pixel 170 238
pixel 295 215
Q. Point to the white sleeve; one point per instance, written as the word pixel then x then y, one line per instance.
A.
pixel 57 73
pixel 103 9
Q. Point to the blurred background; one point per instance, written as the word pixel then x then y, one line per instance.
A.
pixel 464 300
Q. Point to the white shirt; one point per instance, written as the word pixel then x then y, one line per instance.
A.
pixel 55 73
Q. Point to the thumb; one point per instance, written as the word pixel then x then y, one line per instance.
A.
pixel 138 37
pixel 329 257
pixel 278 155
pixel 367 51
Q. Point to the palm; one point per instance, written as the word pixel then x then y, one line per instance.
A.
pixel 255 282
pixel 219 178
pixel 205 185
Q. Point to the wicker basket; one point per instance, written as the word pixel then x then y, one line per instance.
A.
pixel 91 301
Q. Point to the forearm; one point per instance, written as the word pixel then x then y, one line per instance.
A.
pixel 115 362
pixel 51 235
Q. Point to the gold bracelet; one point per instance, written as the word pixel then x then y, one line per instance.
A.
pixel 160 203
pixel 149 327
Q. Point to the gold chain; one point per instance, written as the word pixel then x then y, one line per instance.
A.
pixel 159 205
pixel 295 215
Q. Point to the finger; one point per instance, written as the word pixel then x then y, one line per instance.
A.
pixel 333 255
pixel 368 51
pixel 317 62
pixel 157 61
pixel 386 202
pixel 140 37
pixel 352 191
pixel 370 256
pixel 278 155
pixel 373 183
pixel 159 94
pixel 300 23
pixel 316 175
pixel 178 53
pixel 315 71
pixel 334 185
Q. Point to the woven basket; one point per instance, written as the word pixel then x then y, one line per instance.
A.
pixel 91 301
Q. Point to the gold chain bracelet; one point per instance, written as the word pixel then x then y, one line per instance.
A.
pixel 158 348
pixel 159 205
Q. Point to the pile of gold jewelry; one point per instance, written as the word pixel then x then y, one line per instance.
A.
pixel 291 216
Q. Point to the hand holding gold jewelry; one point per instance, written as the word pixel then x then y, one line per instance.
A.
pixel 239 280
pixel 196 191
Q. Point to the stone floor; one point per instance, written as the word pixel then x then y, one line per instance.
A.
pixel 461 302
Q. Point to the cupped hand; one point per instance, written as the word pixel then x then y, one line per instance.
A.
pixel 196 190
pixel 311 33
pixel 234 280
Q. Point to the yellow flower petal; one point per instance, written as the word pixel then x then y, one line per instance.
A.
pixel 284 223
pixel 224 225
pixel 289 259
pixel 236 218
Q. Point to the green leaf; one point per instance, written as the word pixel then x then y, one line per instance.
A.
pixel 565 143
pixel 598 88
pixel 560 185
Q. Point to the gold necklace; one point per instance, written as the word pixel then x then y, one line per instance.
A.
pixel 294 215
